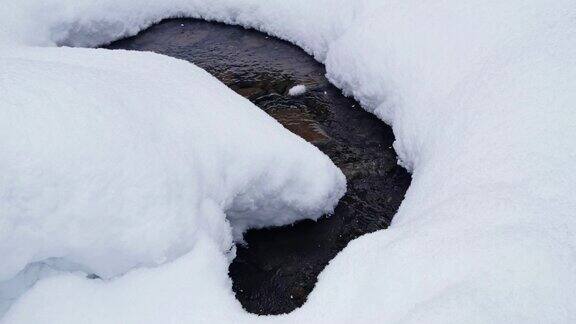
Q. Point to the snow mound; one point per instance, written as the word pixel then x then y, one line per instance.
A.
pixel 297 90
pixel 113 160
pixel 480 96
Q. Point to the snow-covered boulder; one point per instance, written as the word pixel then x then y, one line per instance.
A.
pixel 114 160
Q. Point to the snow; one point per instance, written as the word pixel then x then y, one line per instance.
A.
pixel 480 96
pixel 114 160
pixel 297 90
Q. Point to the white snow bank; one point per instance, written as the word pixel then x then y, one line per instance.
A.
pixel 112 160
pixel 481 97
pixel 183 291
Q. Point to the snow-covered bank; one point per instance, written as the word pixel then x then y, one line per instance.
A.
pixel 113 160
pixel 480 96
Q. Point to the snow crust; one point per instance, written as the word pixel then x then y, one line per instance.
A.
pixel 481 98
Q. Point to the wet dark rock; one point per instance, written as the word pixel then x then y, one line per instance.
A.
pixel 277 267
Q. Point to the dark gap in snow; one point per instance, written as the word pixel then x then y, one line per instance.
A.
pixel 277 269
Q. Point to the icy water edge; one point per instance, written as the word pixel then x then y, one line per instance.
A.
pixel 278 267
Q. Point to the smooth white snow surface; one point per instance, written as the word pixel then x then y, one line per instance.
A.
pixel 481 97
pixel 297 90
pixel 114 160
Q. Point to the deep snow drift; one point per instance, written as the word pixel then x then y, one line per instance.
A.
pixel 481 97
pixel 114 160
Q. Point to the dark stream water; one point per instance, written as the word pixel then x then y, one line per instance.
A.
pixel 277 268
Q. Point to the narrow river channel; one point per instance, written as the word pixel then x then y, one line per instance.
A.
pixel 277 268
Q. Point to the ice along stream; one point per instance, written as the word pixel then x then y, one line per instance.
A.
pixel 278 267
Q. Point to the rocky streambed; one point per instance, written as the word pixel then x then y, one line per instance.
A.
pixel 277 268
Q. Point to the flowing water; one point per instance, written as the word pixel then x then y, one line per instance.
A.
pixel 277 268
